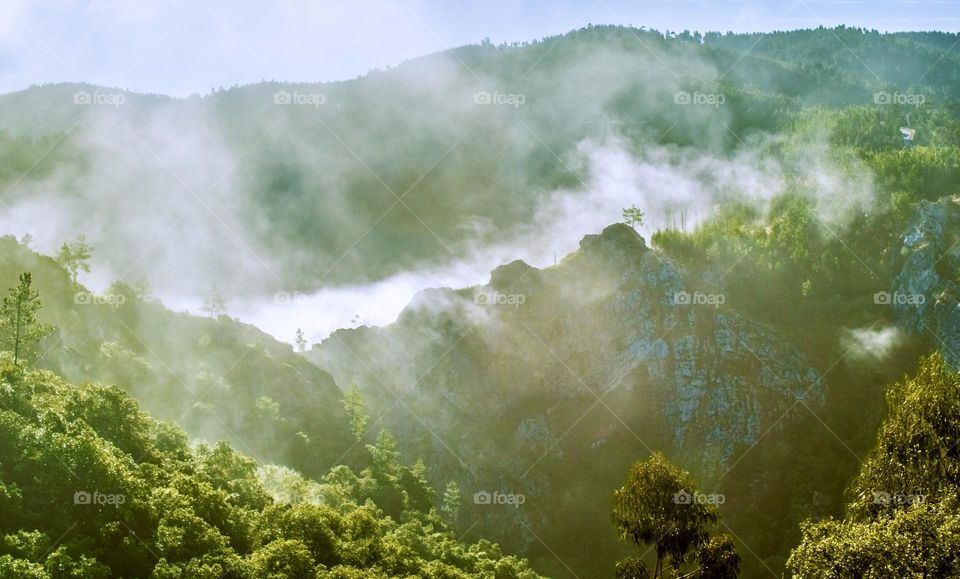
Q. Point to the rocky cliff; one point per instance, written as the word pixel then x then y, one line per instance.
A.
pixel 544 382
pixel 926 293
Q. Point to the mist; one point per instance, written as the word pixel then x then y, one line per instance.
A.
pixel 294 213
pixel 159 223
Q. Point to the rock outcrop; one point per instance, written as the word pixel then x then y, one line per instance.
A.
pixel 547 381
pixel 926 293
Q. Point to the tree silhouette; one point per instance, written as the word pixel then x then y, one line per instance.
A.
pixel 75 257
pixel 214 303
pixel 633 216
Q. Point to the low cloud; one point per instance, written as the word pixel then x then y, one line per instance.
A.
pixel 871 344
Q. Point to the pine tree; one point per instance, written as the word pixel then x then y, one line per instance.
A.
pixel 451 502
pixel 75 257
pixel 19 317
pixel 353 404
pixel 214 303
pixel 633 216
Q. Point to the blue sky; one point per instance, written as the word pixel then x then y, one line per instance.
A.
pixel 190 46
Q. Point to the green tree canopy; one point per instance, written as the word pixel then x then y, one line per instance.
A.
pixel 20 326
pixel 633 216
pixel 904 517
pixel 658 506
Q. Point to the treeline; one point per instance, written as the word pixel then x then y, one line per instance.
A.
pixel 91 487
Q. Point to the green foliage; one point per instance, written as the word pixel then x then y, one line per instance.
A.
pixel 718 558
pixel 677 245
pixel 214 303
pixel 782 267
pixel 922 541
pixel 75 256
pixel 283 559
pixel 450 508
pixel 218 379
pixel 920 172
pixel 904 519
pixel 20 327
pixel 631 568
pixel 633 216
pixel 650 509
pixel 353 404
pixel 67 453
pixel 918 446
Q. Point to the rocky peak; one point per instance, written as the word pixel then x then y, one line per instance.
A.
pixel 616 238
pixel 514 276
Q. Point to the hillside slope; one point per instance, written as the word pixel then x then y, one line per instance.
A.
pixel 92 487
pixel 315 177
pixel 219 379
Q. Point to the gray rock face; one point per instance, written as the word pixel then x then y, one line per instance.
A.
pixel 550 383
pixel 616 328
pixel 926 293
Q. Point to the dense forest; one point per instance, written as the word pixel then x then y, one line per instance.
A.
pixel 736 354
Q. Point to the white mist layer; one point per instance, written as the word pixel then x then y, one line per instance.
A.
pixel 664 182
pixel 661 182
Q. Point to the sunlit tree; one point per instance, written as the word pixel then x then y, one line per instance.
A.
pixel 904 519
pixel 656 506
pixel 353 404
pixel 633 216
pixel 22 329
pixel 451 502
pixel 718 559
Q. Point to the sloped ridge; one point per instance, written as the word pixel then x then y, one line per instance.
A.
pixel 218 378
pixel 503 384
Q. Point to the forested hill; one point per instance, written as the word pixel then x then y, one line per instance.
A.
pixel 472 138
pixel 720 250
pixel 91 487
pixel 217 378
